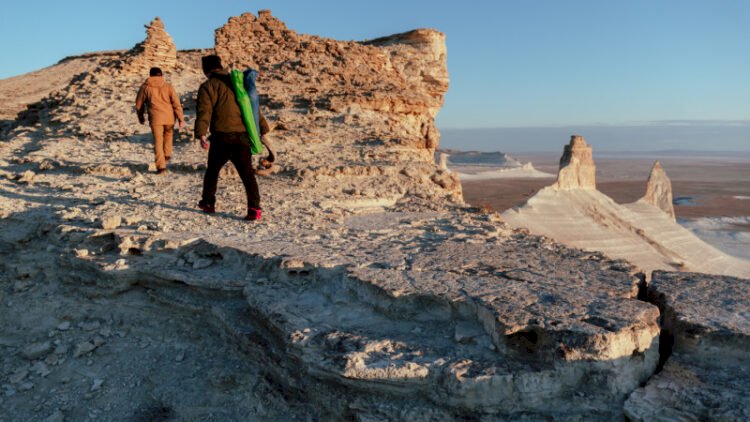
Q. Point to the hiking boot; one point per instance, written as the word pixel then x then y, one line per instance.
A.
pixel 253 214
pixel 161 171
pixel 206 207
pixel 167 158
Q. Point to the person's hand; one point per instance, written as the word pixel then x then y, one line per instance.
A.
pixel 204 142
pixel 182 124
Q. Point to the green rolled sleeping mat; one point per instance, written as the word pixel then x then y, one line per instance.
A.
pixel 243 99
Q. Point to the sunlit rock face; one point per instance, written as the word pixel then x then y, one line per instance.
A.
pixel 368 291
pixel 157 50
pixel 659 190
pixel 399 79
pixel 577 169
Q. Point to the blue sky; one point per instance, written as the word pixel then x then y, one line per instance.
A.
pixel 513 64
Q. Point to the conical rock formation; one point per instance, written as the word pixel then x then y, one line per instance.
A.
pixel 659 190
pixel 577 169
pixel 572 211
pixel 157 50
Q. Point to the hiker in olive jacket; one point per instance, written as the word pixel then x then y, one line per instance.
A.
pixel 219 113
pixel 163 107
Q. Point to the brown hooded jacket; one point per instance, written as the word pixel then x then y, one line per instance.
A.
pixel 162 100
pixel 217 108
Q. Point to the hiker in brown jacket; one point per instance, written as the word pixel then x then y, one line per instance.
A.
pixel 163 105
pixel 218 111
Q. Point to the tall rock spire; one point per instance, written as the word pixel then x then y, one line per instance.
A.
pixel 659 190
pixel 577 169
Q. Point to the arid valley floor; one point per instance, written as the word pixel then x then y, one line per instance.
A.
pixel 711 186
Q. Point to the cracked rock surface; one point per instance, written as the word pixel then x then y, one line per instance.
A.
pixel 707 325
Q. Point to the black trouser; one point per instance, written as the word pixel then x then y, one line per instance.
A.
pixel 226 147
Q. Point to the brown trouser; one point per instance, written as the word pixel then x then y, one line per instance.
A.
pixel 162 143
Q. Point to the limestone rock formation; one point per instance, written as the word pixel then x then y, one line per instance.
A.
pixel 706 339
pixel 659 190
pixel 572 211
pixel 577 169
pixel 367 292
pixel 401 79
pixel 157 50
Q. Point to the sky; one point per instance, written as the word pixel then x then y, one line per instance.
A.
pixel 529 66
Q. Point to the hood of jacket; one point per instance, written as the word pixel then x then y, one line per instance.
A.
pixel 222 75
pixel 156 81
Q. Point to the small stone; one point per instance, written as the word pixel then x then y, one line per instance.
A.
pixel 41 369
pixel 97 384
pixel 26 177
pixel 111 222
pixel 180 356
pixel 18 376
pixel 89 325
pixel 56 416
pixel 133 219
pixel 83 348
pixel 81 253
pixel 61 349
pixel 21 286
pixel 202 263
pixel 63 326
pixel 26 386
pixel 36 350
pixel 51 360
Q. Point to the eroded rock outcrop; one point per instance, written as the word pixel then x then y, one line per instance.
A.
pixel 659 190
pixel 157 50
pixel 577 169
pixel 400 78
pixel 706 322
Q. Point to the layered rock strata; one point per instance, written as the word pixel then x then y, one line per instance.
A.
pixel 659 190
pixel 577 169
pixel 572 211
pixel 157 50
pixel 707 338
pixel 400 80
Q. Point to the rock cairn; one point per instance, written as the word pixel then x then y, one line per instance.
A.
pixel 402 78
pixel 157 50
pixel 659 190
pixel 577 168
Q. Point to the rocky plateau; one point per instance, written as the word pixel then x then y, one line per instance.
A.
pixel 368 292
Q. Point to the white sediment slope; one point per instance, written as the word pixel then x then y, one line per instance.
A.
pixel 647 236
pixel 474 165
pixel 526 171
pixel 729 234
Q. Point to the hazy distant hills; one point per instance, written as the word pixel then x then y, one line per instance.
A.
pixel 478 158
pixel 725 136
